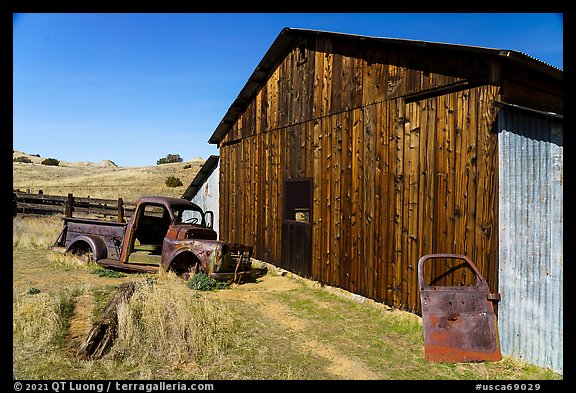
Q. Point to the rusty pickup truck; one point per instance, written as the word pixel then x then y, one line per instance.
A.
pixel 165 233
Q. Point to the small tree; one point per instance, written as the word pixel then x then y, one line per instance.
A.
pixel 172 181
pixel 51 161
pixel 170 158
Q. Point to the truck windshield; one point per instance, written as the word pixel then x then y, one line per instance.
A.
pixel 189 216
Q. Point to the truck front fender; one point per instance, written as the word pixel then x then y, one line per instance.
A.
pixel 203 252
pixel 96 244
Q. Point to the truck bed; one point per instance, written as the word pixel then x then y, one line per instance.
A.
pixel 110 232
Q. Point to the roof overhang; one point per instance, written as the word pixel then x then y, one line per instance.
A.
pixel 289 37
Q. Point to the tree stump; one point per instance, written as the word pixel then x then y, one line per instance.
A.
pixel 105 329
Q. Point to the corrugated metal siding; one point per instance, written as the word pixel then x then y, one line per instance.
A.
pixel 531 238
pixel 208 196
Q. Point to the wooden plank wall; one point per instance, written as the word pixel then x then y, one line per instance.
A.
pixel 392 181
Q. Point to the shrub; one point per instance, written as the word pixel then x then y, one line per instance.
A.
pixel 187 166
pixel 170 158
pixel 22 159
pixel 202 282
pixel 172 181
pixel 51 161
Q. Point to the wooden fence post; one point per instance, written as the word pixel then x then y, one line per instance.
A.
pixel 69 206
pixel 120 210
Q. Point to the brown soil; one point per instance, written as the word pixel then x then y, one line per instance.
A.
pixel 80 323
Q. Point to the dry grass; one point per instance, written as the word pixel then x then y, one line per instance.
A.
pixel 166 325
pixel 35 232
pixel 68 260
pixel 85 179
pixel 36 320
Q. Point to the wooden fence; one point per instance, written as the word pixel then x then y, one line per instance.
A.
pixel 42 204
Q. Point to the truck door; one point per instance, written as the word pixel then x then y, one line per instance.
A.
pixel 144 238
pixel 459 320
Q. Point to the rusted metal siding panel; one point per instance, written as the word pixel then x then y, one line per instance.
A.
pixel 531 238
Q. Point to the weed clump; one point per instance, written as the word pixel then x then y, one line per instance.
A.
pixel 201 282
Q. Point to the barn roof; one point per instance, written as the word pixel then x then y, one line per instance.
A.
pixel 289 37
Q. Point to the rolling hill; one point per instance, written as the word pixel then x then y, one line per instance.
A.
pixel 103 179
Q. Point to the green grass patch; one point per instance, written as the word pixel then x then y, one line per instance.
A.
pixel 101 297
pixel 201 282
pixel 103 272
pixel 264 350
pixel 389 342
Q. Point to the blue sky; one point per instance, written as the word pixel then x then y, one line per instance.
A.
pixel 133 88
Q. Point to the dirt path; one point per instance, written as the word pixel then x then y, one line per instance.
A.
pixel 80 323
pixel 341 366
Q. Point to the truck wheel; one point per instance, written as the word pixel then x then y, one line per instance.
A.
pixel 193 271
pixel 185 265
pixel 83 252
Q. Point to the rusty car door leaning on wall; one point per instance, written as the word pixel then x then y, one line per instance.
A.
pixel 460 323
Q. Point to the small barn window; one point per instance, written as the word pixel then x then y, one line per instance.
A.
pixel 298 200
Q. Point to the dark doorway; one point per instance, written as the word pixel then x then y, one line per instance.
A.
pixel 297 226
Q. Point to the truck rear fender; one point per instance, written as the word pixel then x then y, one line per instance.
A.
pixel 96 244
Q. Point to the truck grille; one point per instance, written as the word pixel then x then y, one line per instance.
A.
pixel 232 259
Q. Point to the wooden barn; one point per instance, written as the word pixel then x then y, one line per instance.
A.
pixel 346 158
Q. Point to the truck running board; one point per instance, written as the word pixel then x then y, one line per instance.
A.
pixel 127 267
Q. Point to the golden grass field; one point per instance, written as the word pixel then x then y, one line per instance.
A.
pixel 279 326
pixel 102 179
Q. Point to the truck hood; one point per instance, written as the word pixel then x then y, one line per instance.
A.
pixel 189 231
